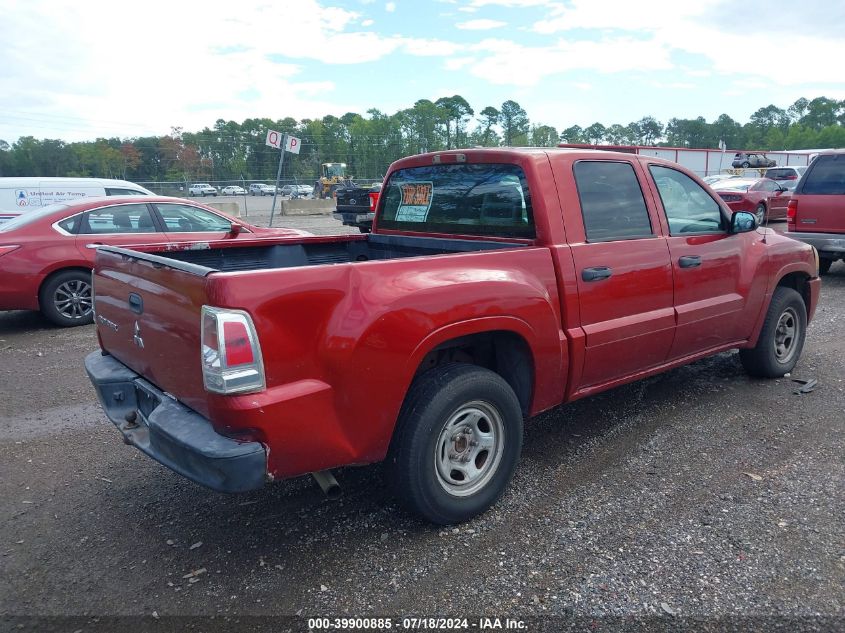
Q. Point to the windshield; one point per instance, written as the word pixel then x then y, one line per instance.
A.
pixel 31 216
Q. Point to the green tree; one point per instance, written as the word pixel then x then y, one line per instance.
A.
pixel 595 133
pixel 489 118
pixel 514 122
pixel 650 130
pixel 573 134
pixel 544 136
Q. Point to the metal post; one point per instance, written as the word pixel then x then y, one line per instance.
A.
pixel 278 175
pixel 246 204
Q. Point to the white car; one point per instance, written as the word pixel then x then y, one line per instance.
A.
pixel 233 190
pixel 261 189
pixel 202 189
pixel 296 191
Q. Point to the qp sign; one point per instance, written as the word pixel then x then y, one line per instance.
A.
pixel 274 139
pixel 293 145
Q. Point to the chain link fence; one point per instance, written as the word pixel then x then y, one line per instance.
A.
pixel 180 188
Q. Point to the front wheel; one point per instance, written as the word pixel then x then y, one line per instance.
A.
pixel 66 299
pixel 456 443
pixel 781 339
pixel 746 164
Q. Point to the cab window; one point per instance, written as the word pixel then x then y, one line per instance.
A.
pixel 612 203
pixel 688 207
pixel 124 218
pixel 468 199
pixel 181 218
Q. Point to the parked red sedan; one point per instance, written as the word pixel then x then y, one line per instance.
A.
pixel 46 255
pixel 763 197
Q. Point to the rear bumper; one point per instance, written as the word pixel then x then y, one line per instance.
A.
pixel 173 434
pixel 354 218
pixel 829 245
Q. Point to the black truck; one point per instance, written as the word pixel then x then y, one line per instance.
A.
pixel 356 205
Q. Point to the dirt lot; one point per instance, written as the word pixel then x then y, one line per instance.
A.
pixel 698 496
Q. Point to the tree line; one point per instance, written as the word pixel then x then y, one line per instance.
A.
pixel 232 151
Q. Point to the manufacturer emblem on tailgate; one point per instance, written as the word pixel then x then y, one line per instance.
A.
pixel 137 338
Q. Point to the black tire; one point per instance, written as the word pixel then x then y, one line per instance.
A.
pixel 760 214
pixel 824 265
pixel 365 229
pixel 65 298
pixel 455 417
pixel 781 339
pixel 746 165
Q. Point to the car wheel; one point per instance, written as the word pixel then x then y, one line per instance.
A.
pixel 781 339
pixel 456 443
pixel 65 298
pixel 824 265
pixel 760 214
pixel 746 164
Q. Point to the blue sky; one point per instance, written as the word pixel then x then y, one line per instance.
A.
pixel 80 70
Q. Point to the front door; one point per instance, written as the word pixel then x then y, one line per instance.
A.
pixel 710 266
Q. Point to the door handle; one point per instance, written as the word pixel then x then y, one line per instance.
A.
pixel 136 303
pixel 596 273
pixel 689 261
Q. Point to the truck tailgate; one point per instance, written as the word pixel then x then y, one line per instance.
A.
pixel 148 317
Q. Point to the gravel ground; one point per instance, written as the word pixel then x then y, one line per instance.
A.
pixel 698 499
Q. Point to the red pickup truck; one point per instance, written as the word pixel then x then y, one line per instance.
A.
pixel 495 284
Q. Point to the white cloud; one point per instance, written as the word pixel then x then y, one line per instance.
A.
pixel 367 22
pixel 390 7
pixel 480 25
pixel 509 63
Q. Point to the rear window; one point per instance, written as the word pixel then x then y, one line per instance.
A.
pixel 477 199
pixel 826 176
pixel 30 216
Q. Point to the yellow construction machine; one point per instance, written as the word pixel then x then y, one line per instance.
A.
pixel 332 177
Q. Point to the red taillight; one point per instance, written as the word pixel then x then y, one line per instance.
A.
pixel 373 200
pixel 791 209
pixel 231 355
pixel 237 345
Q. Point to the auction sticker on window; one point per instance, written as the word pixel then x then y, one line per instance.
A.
pixel 415 202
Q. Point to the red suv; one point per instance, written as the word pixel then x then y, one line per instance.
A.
pixel 816 211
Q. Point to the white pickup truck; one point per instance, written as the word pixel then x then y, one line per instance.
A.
pixel 202 189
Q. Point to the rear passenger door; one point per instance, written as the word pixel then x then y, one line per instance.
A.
pixel 711 281
pixel 624 275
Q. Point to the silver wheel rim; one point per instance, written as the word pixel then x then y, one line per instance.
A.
pixel 786 335
pixel 469 449
pixel 72 299
pixel 761 215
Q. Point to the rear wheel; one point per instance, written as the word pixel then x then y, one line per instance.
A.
pixel 65 298
pixel 781 339
pixel 746 164
pixel 456 443
pixel 760 214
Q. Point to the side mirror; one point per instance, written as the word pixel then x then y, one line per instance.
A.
pixel 236 229
pixel 743 222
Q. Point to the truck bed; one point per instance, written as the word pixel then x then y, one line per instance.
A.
pixel 317 251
